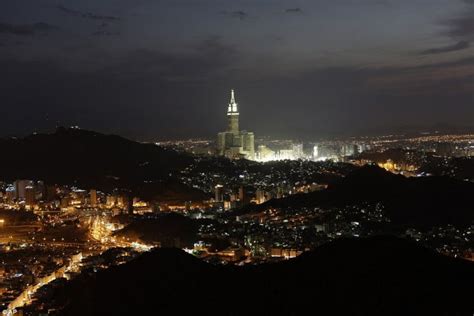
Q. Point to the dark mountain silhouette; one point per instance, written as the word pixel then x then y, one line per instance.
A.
pixel 422 201
pixel 93 160
pixel 375 276
pixel 456 167
pixel 397 155
pixel 169 229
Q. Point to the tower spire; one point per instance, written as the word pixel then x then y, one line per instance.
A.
pixel 233 114
pixel 232 109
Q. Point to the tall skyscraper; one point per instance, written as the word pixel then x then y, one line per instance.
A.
pixel 20 188
pixel 30 195
pixel 219 193
pixel 233 114
pixel 93 198
pixel 234 143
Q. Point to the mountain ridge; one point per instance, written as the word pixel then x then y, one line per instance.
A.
pixel 89 159
pixel 422 201
pixel 374 276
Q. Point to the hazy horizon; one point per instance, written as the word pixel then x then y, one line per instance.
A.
pixel 164 69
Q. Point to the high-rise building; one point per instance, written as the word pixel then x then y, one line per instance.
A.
pixel 93 197
pixel 65 202
pixel 30 195
pixel 219 193
pixel 111 200
pixel 349 150
pixel 20 188
pixel 235 143
pixel 241 193
pixel 10 193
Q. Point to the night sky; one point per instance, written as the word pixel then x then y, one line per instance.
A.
pixel 151 69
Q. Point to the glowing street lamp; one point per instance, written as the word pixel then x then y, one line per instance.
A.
pixel 9 311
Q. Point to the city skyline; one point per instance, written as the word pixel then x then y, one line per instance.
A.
pixel 277 157
pixel 77 205
pixel 146 70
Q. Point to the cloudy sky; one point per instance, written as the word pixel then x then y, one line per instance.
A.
pixel 155 69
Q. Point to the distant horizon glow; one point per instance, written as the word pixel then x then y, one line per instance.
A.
pixel 304 69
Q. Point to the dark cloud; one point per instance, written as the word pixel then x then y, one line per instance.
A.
pixel 445 79
pixel 163 78
pixel 293 10
pixel 103 29
pixel 26 29
pixel 105 33
pixel 210 59
pixel 87 15
pixel 461 26
pixel 446 49
pixel 150 94
pixel 236 14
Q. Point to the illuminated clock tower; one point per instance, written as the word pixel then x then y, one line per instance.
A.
pixel 234 143
pixel 233 115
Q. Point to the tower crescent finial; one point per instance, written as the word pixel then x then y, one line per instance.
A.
pixel 232 109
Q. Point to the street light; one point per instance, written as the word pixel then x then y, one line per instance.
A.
pixel 9 311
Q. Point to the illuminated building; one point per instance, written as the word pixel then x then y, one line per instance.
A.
pixel 298 152
pixel 65 202
pixel 284 253
pixel 219 193
pixel 280 192
pixel 235 143
pixel 233 253
pixel 243 196
pixel 285 154
pixel 111 200
pixel 291 152
pixel 315 152
pixel 260 196
pixel 391 166
pixel 30 195
pixel 10 194
pixel 127 203
pixel 78 197
pixel 20 188
pixel 93 197
pixel 265 154
pixel 349 150
pixel 323 152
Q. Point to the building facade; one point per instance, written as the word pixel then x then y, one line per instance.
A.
pixel 234 143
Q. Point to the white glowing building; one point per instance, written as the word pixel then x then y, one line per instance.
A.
pixel 235 143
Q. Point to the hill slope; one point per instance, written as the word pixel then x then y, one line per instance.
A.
pixel 168 229
pixel 93 160
pixel 376 276
pixel 421 201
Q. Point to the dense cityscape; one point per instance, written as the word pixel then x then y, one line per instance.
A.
pixel 282 157
pixel 226 210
